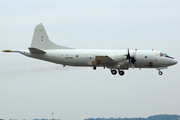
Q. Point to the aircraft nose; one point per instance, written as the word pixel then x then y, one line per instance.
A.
pixel 174 62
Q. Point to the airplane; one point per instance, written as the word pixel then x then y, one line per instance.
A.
pixel 116 60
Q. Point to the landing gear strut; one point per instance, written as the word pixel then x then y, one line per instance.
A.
pixel 113 72
pixel 160 72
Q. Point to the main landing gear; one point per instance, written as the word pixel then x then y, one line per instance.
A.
pixel 121 73
pixel 94 67
pixel 114 72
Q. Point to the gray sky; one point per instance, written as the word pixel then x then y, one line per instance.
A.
pixel 32 88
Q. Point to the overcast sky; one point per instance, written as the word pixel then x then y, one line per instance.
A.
pixel 32 88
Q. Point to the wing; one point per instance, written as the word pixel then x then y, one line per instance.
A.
pixel 111 61
pixel 104 58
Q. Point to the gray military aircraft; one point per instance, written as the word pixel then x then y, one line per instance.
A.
pixel 116 60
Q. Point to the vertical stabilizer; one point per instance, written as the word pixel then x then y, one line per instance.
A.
pixel 41 40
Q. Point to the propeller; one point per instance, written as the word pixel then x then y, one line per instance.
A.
pixel 131 60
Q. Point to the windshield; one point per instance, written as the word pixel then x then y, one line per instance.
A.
pixel 165 55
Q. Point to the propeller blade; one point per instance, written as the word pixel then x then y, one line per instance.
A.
pixel 130 60
pixel 133 66
pixel 128 56
pixel 133 60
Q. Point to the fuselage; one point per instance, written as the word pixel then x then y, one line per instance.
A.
pixel 83 57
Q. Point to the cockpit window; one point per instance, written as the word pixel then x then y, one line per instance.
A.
pixel 165 55
pixel 161 54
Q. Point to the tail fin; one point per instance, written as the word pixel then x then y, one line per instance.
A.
pixel 41 40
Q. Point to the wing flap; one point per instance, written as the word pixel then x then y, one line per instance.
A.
pixel 36 51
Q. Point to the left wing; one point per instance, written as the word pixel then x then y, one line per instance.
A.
pixel 104 58
pixel 108 60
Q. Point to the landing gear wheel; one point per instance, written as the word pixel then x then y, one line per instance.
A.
pixel 121 73
pixel 113 72
pixel 94 67
pixel 160 72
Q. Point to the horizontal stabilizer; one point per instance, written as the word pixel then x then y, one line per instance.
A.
pixel 36 51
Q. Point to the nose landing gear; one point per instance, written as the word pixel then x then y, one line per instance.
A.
pixel 160 72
